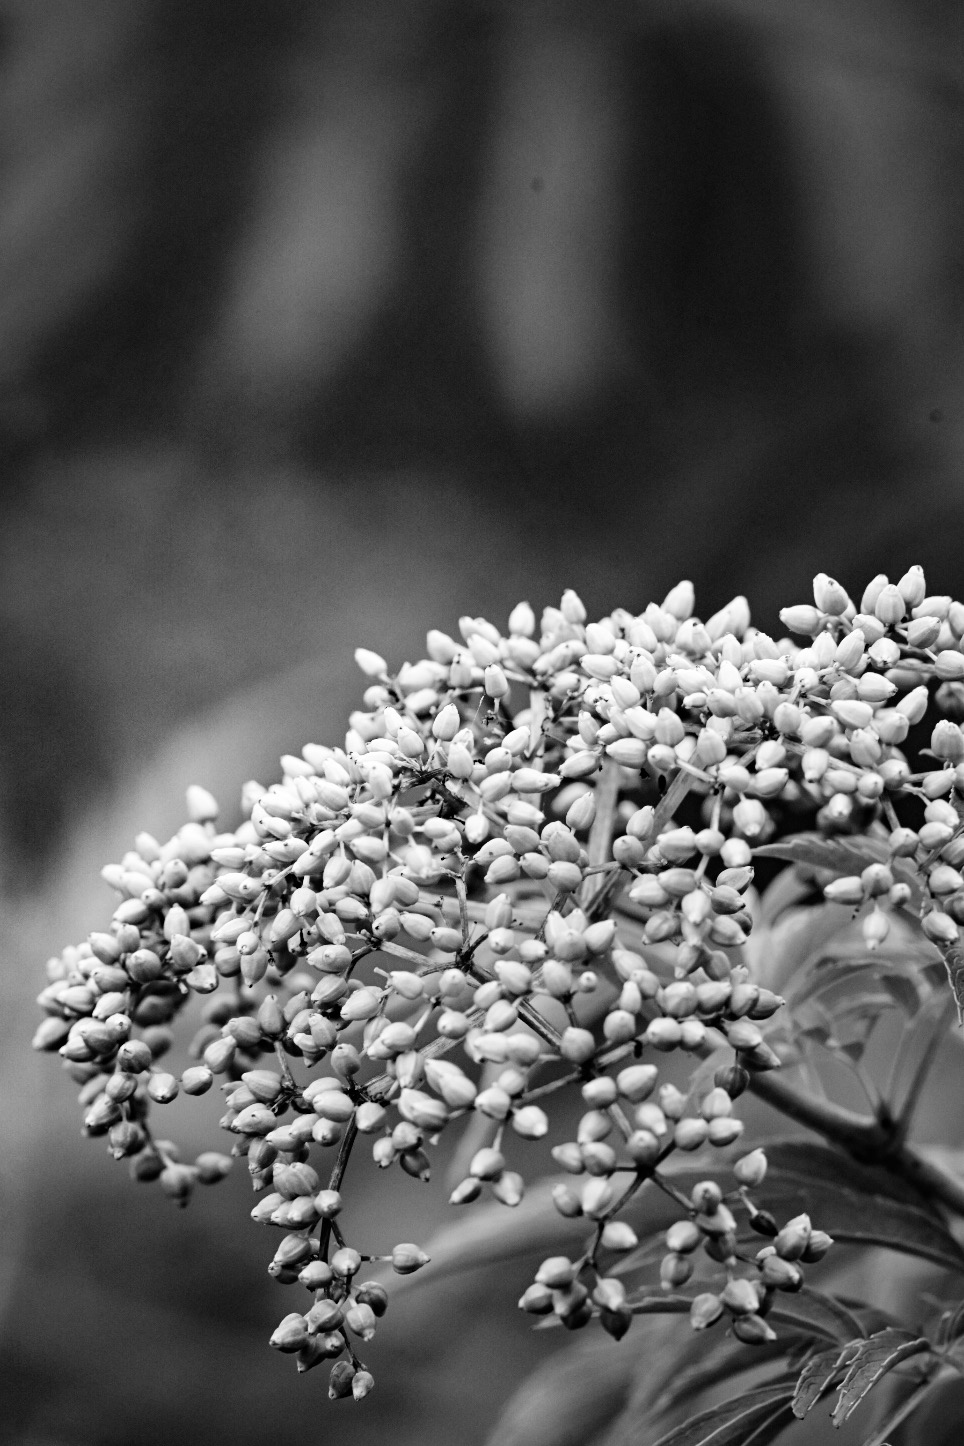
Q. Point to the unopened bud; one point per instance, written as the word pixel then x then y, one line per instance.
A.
pixel 705 1310
pixel 753 1330
pixel 829 596
pixel 408 1258
pixel 342 1372
pixel 792 1240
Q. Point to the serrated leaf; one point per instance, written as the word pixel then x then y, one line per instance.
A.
pixel 754 1417
pixel 815 1377
pixel 872 1359
pixel 954 964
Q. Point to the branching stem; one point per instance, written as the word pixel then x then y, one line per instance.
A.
pixel 863 1138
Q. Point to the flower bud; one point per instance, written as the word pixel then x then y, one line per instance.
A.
pixel 753 1330
pixel 705 1310
pixel 751 1169
pixel 557 1272
pixel 674 1271
pixel 780 1273
pixel 829 596
pixel 291 1335
pixel 848 890
pixel 341 1380
pixel 940 927
pixel 801 619
pixel 817 1246
pixel 407 1258
pixel 178 1181
pixel 536 1299
pixel 949 665
pixel 947 741
pixel 373 665
pixel 792 1240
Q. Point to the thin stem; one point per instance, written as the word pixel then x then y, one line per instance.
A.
pixel 286 1075
pixel 463 907
pixel 671 1190
pixel 607 797
pixel 665 809
pixel 334 1182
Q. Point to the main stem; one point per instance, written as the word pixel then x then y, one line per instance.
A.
pixel 864 1138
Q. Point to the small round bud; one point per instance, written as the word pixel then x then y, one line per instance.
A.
pixel 407 1258
pixel 705 1310
pixel 751 1169
pixel 753 1330
pixel 346 1262
pixel 792 1240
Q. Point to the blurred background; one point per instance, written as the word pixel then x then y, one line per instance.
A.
pixel 321 324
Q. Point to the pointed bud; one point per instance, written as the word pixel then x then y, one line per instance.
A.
pixel 912 586
pixel 680 601
pixel 792 1240
pixel 751 1169
pixel 407 1258
pixel 802 619
pixel 947 741
pixel 705 1310
pixel 753 1330
pixel 829 596
pixel 572 607
pixel 817 1246
pixel 340 1382
pixel 202 806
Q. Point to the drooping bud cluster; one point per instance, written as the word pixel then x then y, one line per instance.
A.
pixel 532 852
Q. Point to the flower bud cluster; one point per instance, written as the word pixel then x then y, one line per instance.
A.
pixel 497 887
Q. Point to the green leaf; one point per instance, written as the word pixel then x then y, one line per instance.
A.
pixel 837 856
pixel 815 1377
pixel 872 1359
pixel 900 1413
pixel 862 1204
pixel 719 1361
pixel 954 964
pixel 852 1202
pixel 787 889
pixel 817 1314
pixel 660 1304
pixel 807 1312
pixel 569 1399
pixel 840 974
pixel 778 954
pixel 754 1417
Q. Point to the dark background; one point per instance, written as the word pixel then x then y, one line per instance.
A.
pixel 321 324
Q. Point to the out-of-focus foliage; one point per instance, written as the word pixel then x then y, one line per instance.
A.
pixel 295 306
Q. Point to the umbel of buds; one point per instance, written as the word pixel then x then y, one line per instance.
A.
pixel 523 873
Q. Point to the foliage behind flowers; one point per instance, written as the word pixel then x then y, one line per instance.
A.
pixel 527 875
